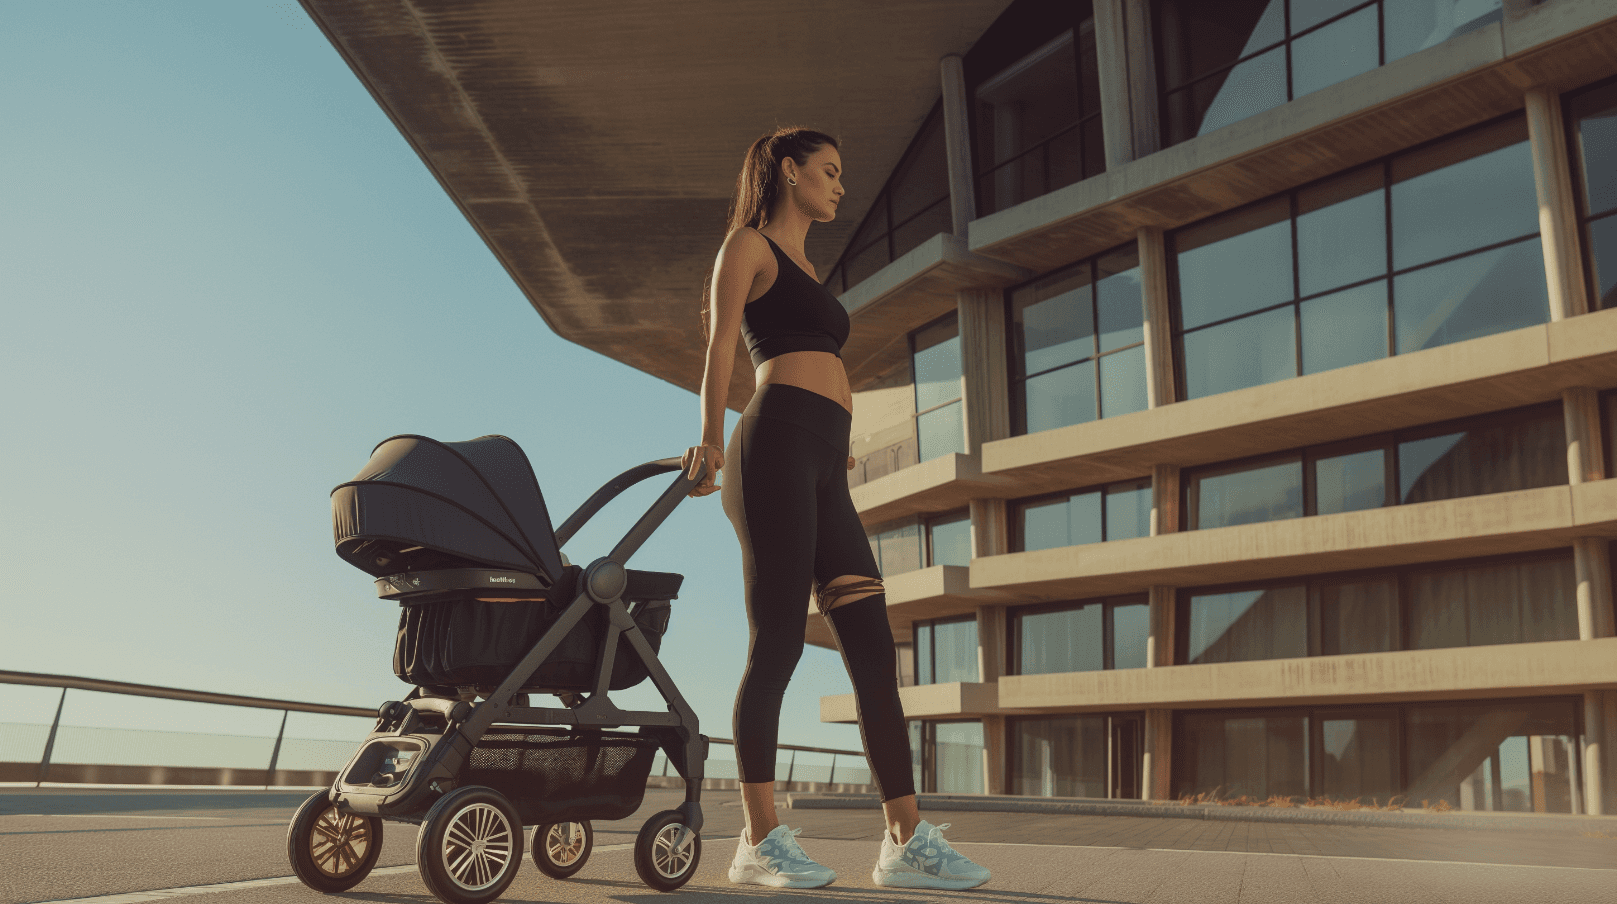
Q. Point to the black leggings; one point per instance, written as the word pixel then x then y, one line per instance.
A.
pixel 785 488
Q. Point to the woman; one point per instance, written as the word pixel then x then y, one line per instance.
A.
pixel 785 489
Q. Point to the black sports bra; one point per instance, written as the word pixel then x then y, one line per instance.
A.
pixel 796 314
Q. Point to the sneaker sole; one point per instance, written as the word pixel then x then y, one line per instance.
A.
pixel 755 876
pixel 892 879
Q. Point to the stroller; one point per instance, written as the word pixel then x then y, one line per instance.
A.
pixel 492 612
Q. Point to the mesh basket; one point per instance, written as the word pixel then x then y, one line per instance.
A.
pixel 553 775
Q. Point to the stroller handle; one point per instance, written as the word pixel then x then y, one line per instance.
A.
pixel 649 521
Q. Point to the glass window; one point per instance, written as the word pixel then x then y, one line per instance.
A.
pixel 1356 616
pixel 897 549
pixel 1085 636
pixel 939 420
pixel 1496 455
pixel 949 540
pixel 1414 25
pixel 957 759
pixel 1358 755
pixel 1594 115
pixel 1077 340
pixel 946 651
pixel 1131 627
pixel 1222 62
pixel 1060 757
pixel 1247 494
pixel 1476 605
pixel 1513 755
pixel 1271 623
pixel 1510 755
pixel 1120 511
pixel 1037 114
pixel 1351 482
pixel 912 207
pixel 1303 283
pixel 1232 756
pixel 1066 640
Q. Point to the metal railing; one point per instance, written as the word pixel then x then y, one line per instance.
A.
pixel 286 707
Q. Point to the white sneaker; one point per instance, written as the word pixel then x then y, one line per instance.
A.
pixel 927 861
pixel 777 861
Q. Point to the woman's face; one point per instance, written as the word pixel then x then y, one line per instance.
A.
pixel 819 185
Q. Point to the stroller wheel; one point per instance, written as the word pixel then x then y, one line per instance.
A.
pixel 560 849
pixel 666 853
pixel 331 850
pixel 470 846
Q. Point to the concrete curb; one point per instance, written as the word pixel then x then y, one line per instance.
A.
pixel 1512 822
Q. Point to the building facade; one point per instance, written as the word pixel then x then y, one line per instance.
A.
pixel 1243 415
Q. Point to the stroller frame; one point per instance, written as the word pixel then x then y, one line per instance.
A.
pixel 428 737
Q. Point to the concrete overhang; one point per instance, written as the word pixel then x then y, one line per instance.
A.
pixel 594 146
pixel 1492 373
pixel 1456 673
pixel 1460 82
pixel 1497 524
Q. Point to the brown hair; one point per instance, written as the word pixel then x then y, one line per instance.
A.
pixel 758 186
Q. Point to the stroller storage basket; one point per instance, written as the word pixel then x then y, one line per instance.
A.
pixel 553 775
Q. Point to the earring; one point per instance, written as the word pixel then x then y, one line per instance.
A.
pixel 790 181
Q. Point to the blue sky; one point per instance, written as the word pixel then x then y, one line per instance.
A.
pixel 224 276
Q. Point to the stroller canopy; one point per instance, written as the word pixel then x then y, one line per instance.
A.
pixel 476 500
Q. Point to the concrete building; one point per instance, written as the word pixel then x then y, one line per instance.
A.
pixel 1236 384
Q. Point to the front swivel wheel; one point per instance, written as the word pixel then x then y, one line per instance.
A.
pixel 667 852
pixel 561 849
pixel 470 846
pixel 330 850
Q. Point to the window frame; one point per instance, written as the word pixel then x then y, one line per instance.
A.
pixel 954 516
pixel 928 624
pixel 1474 133
pixel 1015 614
pixel 951 317
pixel 1388 441
pixel 836 277
pixel 1580 188
pixel 1400 574
pixel 1014 507
pixel 1016 386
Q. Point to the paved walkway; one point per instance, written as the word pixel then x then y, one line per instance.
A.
pixel 152 845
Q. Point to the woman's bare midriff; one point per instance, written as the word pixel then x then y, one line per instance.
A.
pixel 819 372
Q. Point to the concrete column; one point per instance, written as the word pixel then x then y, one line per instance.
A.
pixel 1159 382
pixel 1111 51
pixel 1156 766
pixel 986 385
pixel 1165 496
pixel 1592 566
pixel 1609 775
pixel 1595 753
pixel 1159 643
pixel 957 143
pixel 990 666
pixel 1557 209
pixel 1156 770
pixel 1142 65
pixel 1585 452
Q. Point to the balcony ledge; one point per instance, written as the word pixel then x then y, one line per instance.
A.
pixel 937 485
pixel 1496 524
pixel 1453 673
pixel 959 698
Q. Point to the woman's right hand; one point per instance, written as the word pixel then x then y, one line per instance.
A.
pixel 714 456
